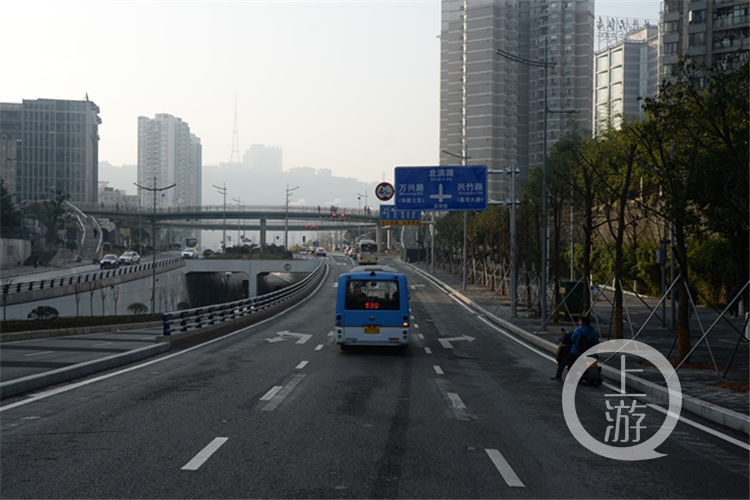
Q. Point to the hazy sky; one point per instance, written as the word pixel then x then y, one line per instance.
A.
pixel 351 86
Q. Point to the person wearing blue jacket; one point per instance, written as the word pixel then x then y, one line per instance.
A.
pixel 582 339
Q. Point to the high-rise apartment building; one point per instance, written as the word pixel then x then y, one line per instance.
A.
pixel 625 71
pixel 492 106
pixel 50 145
pixel 168 153
pixel 709 32
pixel 264 159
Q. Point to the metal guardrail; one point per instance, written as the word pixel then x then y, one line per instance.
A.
pixel 200 317
pixel 30 286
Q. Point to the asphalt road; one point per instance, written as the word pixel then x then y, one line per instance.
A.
pixel 264 413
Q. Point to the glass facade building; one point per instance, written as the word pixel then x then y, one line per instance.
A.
pixel 51 145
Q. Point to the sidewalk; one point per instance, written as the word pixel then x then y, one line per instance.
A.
pixel 699 381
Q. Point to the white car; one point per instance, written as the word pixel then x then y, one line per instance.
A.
pixel 190 253
pixel 129 257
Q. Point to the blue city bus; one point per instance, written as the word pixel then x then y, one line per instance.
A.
pixel 372 308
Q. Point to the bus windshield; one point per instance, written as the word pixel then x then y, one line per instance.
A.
pixel 372 295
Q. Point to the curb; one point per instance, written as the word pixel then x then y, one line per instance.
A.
pixel 709 411
pixel 68 373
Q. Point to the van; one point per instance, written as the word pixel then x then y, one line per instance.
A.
pixel 372 308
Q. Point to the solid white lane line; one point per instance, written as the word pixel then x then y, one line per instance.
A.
pixel 41 353
pixel 438 370
pixel 427 350
pixel 270 394
pixel 301 365
pixel 455 400
pixel 205 454
pixel 504 468
pixel 702 427
pixel 101 344
pixel 283 393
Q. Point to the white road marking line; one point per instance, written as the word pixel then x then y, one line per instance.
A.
pixel 205 454
pixel 75 385
pixel 438 370
pixel 283 393
pixel 301 365
pixel 319 347
pixel 455 400
pixel 428 350
pixel 703 428
pixel 271 393
pixel 416 325
pixel 421 337
pixel 504 468
pixel 41 353
pixel 102 344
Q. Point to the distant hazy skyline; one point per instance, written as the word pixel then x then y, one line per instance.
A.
pixel 350 86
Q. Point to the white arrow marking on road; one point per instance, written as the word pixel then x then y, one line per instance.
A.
pixel 275 339
pixel 446 341
pixel 301 337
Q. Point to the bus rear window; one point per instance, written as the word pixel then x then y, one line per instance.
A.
pixel 375 295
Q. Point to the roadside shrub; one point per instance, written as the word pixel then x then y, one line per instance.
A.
pixel 137 308
pixel 44 312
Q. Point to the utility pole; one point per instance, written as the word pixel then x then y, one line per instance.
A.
pixel 154 190
pixel 289 192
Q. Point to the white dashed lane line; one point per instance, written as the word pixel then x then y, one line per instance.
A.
pixel 504 468
pixel 277 394
pixel 205 454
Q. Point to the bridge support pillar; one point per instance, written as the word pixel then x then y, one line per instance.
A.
pixel 262 236
pixel 379 237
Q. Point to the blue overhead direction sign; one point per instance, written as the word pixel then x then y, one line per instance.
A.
pixel 391 216
pixel 453 188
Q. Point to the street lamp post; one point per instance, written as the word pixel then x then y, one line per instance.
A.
pixel 289 192
pixel 545 64
pixel 154 190
pixel 513 244
pixel 223 191
pixel 463 157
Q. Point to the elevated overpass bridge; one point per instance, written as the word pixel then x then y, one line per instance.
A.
pixel 260 219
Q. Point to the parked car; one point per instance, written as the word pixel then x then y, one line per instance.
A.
pixel 130 257
pixel 109 261
pixel 189 253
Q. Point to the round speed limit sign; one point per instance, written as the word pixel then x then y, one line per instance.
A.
pixel 384 191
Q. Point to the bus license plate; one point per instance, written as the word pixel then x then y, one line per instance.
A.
pixel 372 329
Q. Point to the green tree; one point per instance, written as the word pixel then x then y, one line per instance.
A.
pixel 49 213
pixel 43 312
pixel 137 308
pixel 619 164
pixel 11 217
pixel 696 139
